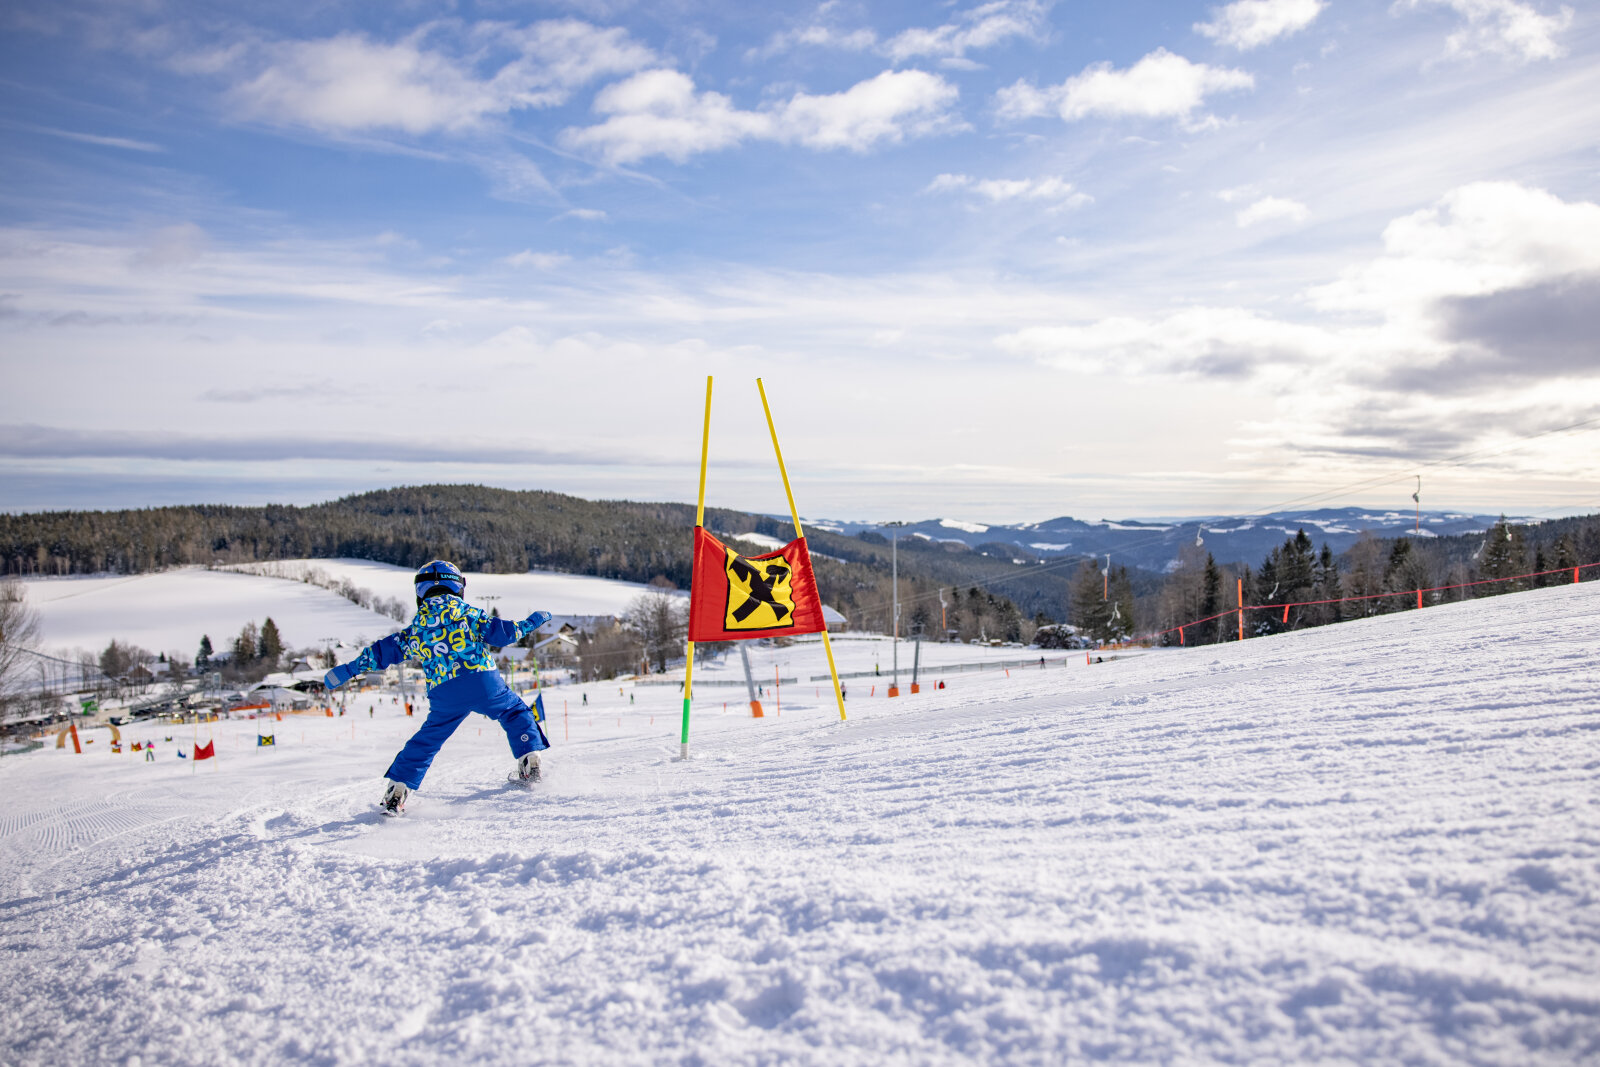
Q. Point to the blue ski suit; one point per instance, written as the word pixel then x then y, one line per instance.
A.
pixel 449 638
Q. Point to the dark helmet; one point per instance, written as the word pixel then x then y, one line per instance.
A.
pixel 438 577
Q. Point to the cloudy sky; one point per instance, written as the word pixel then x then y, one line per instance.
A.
pixel 996 261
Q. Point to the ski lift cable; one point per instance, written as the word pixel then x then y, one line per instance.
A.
pixel 65 662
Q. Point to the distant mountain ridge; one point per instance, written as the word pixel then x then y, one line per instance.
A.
pixel 1153 544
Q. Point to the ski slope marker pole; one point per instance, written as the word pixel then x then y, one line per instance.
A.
pixel 699 521
pixel 1241 609
pixel 800 534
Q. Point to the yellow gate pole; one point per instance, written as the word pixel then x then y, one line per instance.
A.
pixel 800 535
pixel 699 521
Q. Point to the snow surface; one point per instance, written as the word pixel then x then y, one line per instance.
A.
pixel 764 540
pixel 965 527
pixel 168 611
pixel 515 594
pixel 1137 526
pixel 1371 843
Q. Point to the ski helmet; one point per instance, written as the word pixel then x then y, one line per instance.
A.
pixel 440 576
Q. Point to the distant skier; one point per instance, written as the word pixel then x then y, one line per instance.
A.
pixel 449 637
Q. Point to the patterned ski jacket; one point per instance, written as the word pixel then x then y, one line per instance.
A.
pixel 448 637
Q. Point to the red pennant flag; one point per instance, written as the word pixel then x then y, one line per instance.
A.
pixel 736 598
pixel 205 751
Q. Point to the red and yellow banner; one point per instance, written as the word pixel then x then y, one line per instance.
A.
pixel 736 598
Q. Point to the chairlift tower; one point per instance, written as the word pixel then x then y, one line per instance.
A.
pixel 894 580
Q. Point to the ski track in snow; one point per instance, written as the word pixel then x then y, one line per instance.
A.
pixel 1374 843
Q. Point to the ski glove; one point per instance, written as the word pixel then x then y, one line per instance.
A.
pixel 534 621
pixel 339 675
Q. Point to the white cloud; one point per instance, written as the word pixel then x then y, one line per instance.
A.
pixel 816 35
pixel 584 214
pixel 1247 24
pixel 945 183
pixel 1479 239
pixel 1272 209
pixel 979 27
pixel 88 138
pixel 537 260
pixel 1161 85
pixel 351 83
pixel 180 245
pixel 1054 190
pixel 659 113
pixel 1506 27
pixel 1209 341
pixel 884 108
pixel 1477 319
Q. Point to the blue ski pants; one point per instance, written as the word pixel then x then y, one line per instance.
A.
pixel 452 701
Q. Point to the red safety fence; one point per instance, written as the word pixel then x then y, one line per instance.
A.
pixel 1418 593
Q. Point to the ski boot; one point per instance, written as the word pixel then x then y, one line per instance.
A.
pixel 527 771
pixel 394 799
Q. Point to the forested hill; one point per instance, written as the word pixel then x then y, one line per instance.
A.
pixel 482 529
pixel 505 531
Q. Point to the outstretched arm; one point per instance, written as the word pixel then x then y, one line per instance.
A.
pixel 502 632
pixel 375 657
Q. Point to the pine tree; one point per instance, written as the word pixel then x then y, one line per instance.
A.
pixel 269 646
pixel 1008 621
pixel 1210 603
pixel 1119 624
pixel 1267 590
pixel 1090 609
pixel 202 659
pixel 1501 556
pixel 1326 587
pixel 1566 558
pixel 1297 578
pixel 1405 572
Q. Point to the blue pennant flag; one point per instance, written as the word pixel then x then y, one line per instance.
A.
pixel 538 708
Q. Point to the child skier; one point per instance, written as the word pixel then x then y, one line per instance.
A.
pixel 448 637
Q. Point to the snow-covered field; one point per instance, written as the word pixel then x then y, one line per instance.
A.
pixel 513 594
pixel 168 611
pixel 1371 843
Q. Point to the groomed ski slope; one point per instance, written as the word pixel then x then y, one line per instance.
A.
pixel 1371 843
